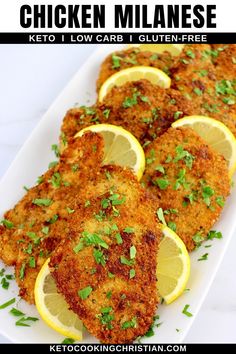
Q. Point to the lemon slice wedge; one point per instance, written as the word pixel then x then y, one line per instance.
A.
pixel 173 49
pixel 53 308
pixel 121 147
pixel 215 133
pixel 173 266
pixel 155 76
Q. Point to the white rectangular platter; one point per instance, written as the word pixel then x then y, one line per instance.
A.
pixel 32 161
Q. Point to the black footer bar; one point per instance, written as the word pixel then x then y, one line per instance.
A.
pixel 110 38
pixel 119 348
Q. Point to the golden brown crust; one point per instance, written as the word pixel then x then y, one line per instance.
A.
pixel 128 299
pixel 195 192
pixel 144 109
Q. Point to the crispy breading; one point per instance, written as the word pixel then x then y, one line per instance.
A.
pixel 205 76
pixel 112 248
pixel 190 180
pixel 60 189
pixel 144 109
pixel 132 57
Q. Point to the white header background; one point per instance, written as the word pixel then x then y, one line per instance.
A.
pixel 225 14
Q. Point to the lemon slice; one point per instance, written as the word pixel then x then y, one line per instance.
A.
pixel 53 308
pixel 121 147
pixel 216 134
pixel 155 76
pixel 173 266
pixel 173 49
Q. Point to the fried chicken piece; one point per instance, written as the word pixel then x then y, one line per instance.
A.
pixel 52 199
pixel 190 180
pixel 200 74
pixel 112 249
pixel 132 57
pixel 144 109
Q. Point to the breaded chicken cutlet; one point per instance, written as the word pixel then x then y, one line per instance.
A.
pixel 190 180
pixel 132 57
pixel 206 77
pixel 144 109
pixel 112 249
pixel 27 238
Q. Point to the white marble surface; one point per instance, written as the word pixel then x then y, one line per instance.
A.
pixel 31 77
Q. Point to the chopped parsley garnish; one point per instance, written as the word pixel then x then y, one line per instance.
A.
pixel 154 57
pixel 26 188
pixel 168 159
pixel 89 239
pixel 177 114
pixel 130 324
pixel 150 332
pixel 115 61
pixel 32 262
pixel 74 167
pixel 7 223
pixel 23 321
pixel 190 54
pixel 45 230
pixel 203 257
pixel 160 169
pixel 68 341
pixel 131 101
pixel 56 150
pixel 181 180
pixel 129 230
pixel 55 180
pixel 15 312
pixel 162 183
pixel 151 158
pixel 63 138
pixel 197 91
pixel 184 61
pixel 85 292
pixel 106 113
pixel 132 273
pixel 22 271
pixel 182 154
pixel 214 234
pixel 220 201
pixel 42 202
pixel 5 284
pixel 90 111
pixel 171 211
pixel 132 252
pixel 53 219
pixel 192 197
pixel 186 312
pixel 39 180
pixel 29 248
pixel 8 303
pixel 119 239
pixel 144 99
pixel 160 216
pixel 203 73
pixel 109 294
pixel 172 225
pixel 106 317
pixel 99 257
pixel 69 210
pixel 111 275
pixel 198 239
pixel 126 261
pixel 52 164
pixel 207 193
